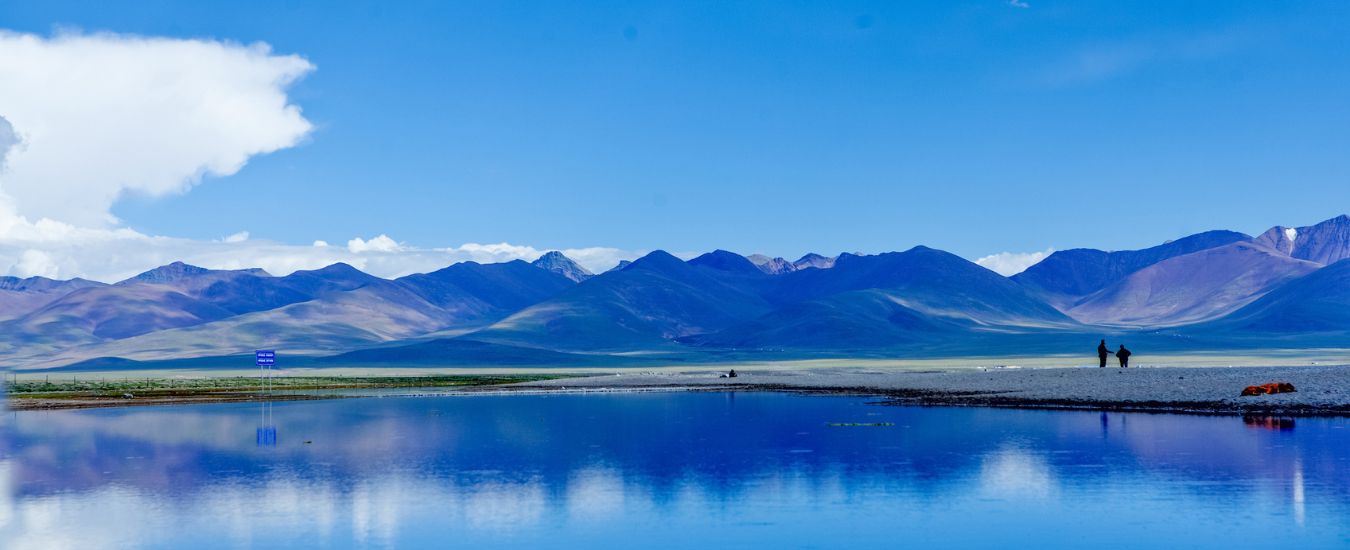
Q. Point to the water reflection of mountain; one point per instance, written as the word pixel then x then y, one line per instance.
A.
pixel 514 459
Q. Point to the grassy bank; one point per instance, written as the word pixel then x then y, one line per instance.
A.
pixel 93 392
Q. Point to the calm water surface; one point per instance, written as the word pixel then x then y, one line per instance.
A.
pixel 697 470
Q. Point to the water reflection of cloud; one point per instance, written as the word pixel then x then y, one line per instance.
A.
pixel 595 494
pixel 109 518
pixel 502 506
pixel 376 509
pixel 202 429
pixel 1300 510
pixel 1014 472
pixel 245 515
pixel 6 495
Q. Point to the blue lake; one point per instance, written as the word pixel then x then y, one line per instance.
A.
pixel 693 470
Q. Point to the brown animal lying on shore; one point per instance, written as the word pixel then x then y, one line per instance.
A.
pixel 1274 387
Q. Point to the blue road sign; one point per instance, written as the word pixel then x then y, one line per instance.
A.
pixel 265 357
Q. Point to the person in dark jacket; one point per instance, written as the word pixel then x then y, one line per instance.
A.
pixel 1124 356
pixel 1102 354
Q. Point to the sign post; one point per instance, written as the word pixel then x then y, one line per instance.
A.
pixel 266 359
pixel 267 432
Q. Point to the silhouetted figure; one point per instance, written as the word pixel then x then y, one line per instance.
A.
pixel 1124 356
pixel 1102 354
pixel 731 374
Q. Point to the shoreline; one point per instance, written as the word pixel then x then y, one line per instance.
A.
pixel 952 399
pixel 1322 390
pixel 88 402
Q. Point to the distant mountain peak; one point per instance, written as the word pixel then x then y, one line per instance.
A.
pixel 1325 243
pixel 723 260
pixel 559 263
pixel 175 271
pixel 619 267
pixel 1280 238
pixel 179 271
pixel 15 283
pixel 813 260
pixel 340 270
pixel 43 284
pixel 772 266
pixel 846 257
pixel 656 259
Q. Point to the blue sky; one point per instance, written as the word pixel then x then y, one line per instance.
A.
pixel 777 127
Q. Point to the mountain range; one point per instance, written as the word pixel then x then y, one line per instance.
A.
pixel 1287 287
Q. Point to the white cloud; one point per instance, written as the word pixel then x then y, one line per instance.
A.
pixel 1012 263
pixel 1018 4
pixel 381 243
pixel 237 237
pixel 8 139
pixel 35 263
pixel 320 244
pixel 104 115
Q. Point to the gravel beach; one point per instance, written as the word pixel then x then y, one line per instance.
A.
pixel 1322 390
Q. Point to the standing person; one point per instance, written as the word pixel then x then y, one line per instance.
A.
pixel 1124 356
pixel 1102 354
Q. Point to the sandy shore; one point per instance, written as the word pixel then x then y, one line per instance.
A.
pixel 1322 390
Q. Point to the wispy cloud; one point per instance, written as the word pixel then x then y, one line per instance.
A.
pixel 1018 4
pixel 61 251
pixel 1012 263
pixel 1105 60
